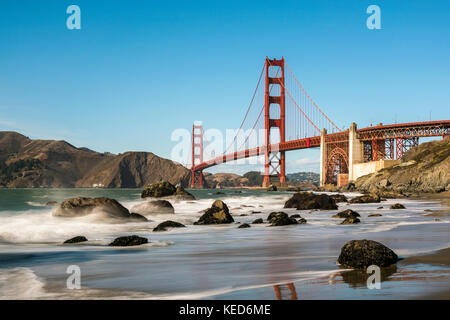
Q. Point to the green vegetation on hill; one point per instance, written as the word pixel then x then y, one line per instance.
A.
pixel 7 172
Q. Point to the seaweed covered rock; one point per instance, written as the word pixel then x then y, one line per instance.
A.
pixel 309 200
pixel 182 194
pixel 397 206
pixel 346 214
pixel 160 189
pixel 339 197
pixel 217 214
pixel 360 254
pixel 280 219
pixel 128 241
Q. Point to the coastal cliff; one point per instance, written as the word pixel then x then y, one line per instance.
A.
pixel 27 163
pixel 425 168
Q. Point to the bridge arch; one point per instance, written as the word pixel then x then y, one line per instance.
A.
pixel 337 162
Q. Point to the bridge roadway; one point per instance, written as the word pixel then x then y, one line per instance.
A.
pixel 392 131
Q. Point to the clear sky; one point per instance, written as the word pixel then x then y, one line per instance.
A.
pixel 137 70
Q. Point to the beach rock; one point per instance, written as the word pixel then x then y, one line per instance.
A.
pixel 346 214
pixel 128 241
pixel 367 198
pixel 219 192
pixel 302 221
pixel 295 216
pixel 309 200
pixel 217 214
pixel 153 207
pixel 351 220
pixel 258 221
pixel 280 219
pixel 136 217
pixel 375 215
pixel 255 212
pixel 182 194
pixel 51 204
pixel 77 239
pixel 339 198
pixel 168 224
pixel 272 188
pixel 244 225
pixel 80 206
pixel 397 206
pixel 380 208
pixel 360 254
pixel 160 189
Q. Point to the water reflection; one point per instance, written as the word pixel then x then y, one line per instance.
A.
pixel 284 290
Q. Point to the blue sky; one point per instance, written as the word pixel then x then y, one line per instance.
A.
pixel 137 70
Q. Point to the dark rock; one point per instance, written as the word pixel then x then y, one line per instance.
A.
pixel 272 188
pixel 346 214
pixel 182 194
pixel 160 189
pixel 380 208
pixel 76 207
pixel 217 214
pixel 51 204
pixel 255 212
pixel 243 215
pixel 397 206
pixel 375 215
pixel 351 220
pixel 77 239
pixel 360 254
pixel 258 221
pixel 219 192
pixel 280 219
pixel 238 191
pixel 367 198
pixel 339 198
pixel 309 200
pixel 153 207
pixel 168 224
pixel 137 217
pixel 302 221
pixel 244 225
pixel 128 241
pixel 295 216
pixel 349 187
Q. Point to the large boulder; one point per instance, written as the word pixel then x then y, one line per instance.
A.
pixel 309 200
pixel 160 189
pixel 397 206
pixel 360 254
pixel 217 214
pixel 128 241
pixel 136 217
pixel 280 219
pixel 244 225
pixel 77 239
pixel 182 194
pixel 367 198
pixel 168 224
pixel 346 214
pixel 339 197
pixel 80 206
pixel 258 221
pixel 153 207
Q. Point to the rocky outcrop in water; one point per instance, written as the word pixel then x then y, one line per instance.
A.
pixel 258 221
pixel 346 214
pixel 244 225
pixel 163 226
pixel 153 207
pixel 217 214
pixel 77 239
pixel 351 220
pixel 360 254
pixel 309 200
pixel 280 219
pixel 339 197
pixel 367 198
pixel 397 206
pixel 166 189
pixel 128 241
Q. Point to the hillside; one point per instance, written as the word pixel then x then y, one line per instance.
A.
pixel 425 168
pixel 26 163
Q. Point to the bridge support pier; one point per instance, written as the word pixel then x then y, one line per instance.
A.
pixel 323 156
pixel 355 151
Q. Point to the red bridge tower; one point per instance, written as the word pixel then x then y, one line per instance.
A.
pixel 275 160
pixel 197 154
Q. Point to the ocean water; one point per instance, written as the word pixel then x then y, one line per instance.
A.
pixel 211 262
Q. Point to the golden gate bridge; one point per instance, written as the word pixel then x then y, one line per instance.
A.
pixel 291 120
